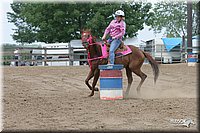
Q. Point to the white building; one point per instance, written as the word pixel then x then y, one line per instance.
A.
pixel 77 49
pixel 56 51
pixel 165 50
pixel 195 44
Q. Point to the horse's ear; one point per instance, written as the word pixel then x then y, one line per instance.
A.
pixel 82 30
pixel 94 39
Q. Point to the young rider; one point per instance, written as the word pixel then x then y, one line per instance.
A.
pixel 116 30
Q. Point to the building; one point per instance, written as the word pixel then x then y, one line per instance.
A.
pixel 79 57
pixel 61 60
pixel 170 50
pixel 164 50
pixel 79 51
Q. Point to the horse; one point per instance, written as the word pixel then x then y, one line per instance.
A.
pixel 131 62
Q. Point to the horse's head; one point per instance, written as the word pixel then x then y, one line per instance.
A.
pixel 87 38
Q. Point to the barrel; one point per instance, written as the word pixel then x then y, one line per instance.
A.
pixel 111 85
pixel 192 59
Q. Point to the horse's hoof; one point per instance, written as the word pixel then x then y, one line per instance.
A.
pixel 96 89
pixel 91 95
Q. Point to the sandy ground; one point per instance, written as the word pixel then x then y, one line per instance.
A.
pixel 55 98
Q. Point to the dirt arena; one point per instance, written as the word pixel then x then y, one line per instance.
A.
pixel 55 98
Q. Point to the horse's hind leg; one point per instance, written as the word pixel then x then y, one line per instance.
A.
pixel 143 76
pixel 130 80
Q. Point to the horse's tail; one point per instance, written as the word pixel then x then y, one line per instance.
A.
pixel 154 65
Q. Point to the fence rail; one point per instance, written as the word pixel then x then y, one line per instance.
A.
pixel 160 53
pixel 25 55
pixel 9 53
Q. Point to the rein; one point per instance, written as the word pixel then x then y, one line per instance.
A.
pixel 97 58
pixel 91 43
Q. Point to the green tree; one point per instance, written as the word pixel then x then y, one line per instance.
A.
pixel 172 16
pixel 62 22
pixel 197 13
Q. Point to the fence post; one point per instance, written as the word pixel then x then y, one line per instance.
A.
pixel 161 55
pixel 182 49
pixel 45 56
pixel 19 57
pixel 71 55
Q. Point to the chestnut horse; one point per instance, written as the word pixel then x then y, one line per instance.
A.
pixel 132 63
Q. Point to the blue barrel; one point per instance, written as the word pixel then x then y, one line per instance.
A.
pixel 192 58
pixel 111 86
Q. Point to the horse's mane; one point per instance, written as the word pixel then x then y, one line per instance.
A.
pixel 95 51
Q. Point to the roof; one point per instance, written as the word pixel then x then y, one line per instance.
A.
pixel 196 37
pixel 76 43
pixel 55 45
pixel 170 43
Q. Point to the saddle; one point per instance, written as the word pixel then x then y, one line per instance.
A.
pixel 121 47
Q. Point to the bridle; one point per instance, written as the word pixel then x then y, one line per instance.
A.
pixel 89 41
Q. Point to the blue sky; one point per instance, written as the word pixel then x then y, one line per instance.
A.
pixel 6 27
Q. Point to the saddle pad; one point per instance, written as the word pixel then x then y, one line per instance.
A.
pixel 122 53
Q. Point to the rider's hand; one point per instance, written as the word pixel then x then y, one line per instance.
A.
pixel 113 38
pixel 103 38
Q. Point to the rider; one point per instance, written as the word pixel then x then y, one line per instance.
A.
pixel 116 29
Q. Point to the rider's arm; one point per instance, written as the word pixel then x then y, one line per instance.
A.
pixel 108 29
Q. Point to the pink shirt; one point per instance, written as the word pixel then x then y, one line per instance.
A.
pixel 116 29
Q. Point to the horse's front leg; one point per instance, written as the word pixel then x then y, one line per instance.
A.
pixel 90 75
pixel 96 77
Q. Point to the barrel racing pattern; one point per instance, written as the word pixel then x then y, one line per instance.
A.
pixel 111 82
